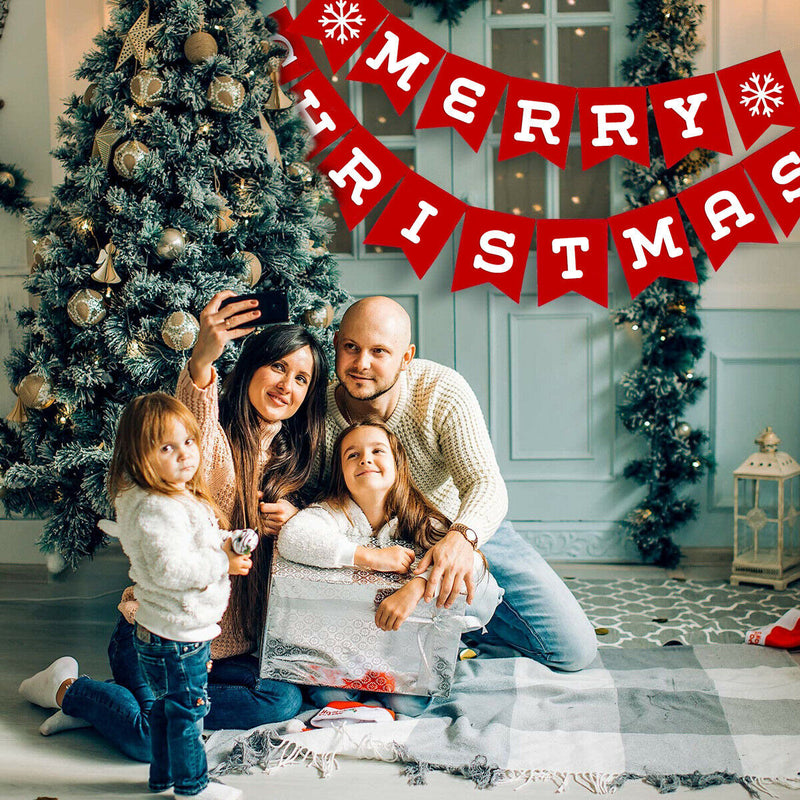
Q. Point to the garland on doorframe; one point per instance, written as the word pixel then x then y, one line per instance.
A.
pixel 13 185
pixel 658 392
pixel 448 11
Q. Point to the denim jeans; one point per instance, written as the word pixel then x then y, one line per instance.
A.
pixel 177 673
pixel 410 705
pixel 538 615
pixel 119 710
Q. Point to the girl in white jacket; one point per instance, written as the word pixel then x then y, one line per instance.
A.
pixel 373 496
pixel 180 561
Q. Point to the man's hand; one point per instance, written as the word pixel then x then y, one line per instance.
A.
pixel 397 607
pixel 275 515
pixel 453 560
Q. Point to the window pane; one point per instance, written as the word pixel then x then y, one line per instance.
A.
pixel 517 6
pixel 584 194
pixel 397 7
pixel 380 117
pixel 582 6
pixel 407 157
pixel 518 52
pixel 583 56
pixel 519 185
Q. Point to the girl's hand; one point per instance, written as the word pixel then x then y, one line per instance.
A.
pixel 384 559
pixel 275 515
pixel 237 565
pixel 397 607
pixel 215 333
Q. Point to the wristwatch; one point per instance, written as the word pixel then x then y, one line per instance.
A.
pixel 467 533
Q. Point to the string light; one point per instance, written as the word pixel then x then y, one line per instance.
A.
pixel 635 326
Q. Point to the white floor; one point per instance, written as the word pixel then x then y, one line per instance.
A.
pixel 41 619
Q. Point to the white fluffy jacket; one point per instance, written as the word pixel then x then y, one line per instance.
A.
pixel 323 536
pixel 179 569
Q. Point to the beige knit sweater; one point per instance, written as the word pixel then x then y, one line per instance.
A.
pixel 221 481
pixel 450 455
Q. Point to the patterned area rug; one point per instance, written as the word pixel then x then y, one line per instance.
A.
pixel 631 612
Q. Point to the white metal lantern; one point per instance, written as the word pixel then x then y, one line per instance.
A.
pixel 766 534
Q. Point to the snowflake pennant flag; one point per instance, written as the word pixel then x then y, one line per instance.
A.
pixel 760 93
pixel 342 26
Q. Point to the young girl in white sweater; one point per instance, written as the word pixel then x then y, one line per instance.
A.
pixel 372 496
pixel 179 562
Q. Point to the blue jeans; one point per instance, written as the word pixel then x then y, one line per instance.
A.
pixel 119 710
pixel 177 673
pixel 408 704
pixel 538 615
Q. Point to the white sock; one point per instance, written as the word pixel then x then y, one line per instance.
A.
pixel 40 689
pixel 62 722
pixel 214 791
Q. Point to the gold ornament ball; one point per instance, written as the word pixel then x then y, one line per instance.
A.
pixel 88 95
pixel 180 330
pixel 7 180
pixel 319 317
pixel 40 250
pixel 171 244
pixel 34 391
pixel 128 156
pixel 225 94
pixel 300 172
pixel 85 308
pixel 199 47
pixel 657 192
pixel 147 88
pixel 683 430
pixel 252 268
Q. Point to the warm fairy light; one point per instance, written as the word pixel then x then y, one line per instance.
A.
pixel 580 32
pixel 696 464
pixel 576 200
pixel 204 128
pixel 535 75
pixel 537 207
pixel 382 120
pixel 516 211
pixel 690 374
pixel 335 79
pixel 218 28
pixel 526 6
pixel 635 326
pixel 647 423
pixel 519 175
pixel 662 338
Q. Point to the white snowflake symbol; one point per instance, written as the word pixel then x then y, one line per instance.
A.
pixel 346 22
pixel 762 95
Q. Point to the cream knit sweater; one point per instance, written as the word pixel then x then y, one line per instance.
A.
pixel 440 423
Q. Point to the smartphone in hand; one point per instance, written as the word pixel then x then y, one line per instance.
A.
pixel 272 303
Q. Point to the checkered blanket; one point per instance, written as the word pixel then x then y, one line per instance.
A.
pixel 692 716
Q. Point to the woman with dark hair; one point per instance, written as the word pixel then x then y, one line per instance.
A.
pixel 259 436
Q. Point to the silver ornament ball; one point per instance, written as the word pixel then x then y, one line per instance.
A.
pixel 657 192
pixel 171 244
pixel 180 330
pixel 128 156
pixel 252 268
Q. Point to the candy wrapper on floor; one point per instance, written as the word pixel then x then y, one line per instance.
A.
pixel 321 630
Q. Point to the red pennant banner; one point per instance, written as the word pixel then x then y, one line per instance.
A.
pixel 362 172
pixel 760 93
pixel 538 119
pixel 775 170
pixel 613 123
pixel 689 114
pixel 325 113
pixel 572 256
pixel 464 96
pixel 419 219
pixel 398 59
pixel 342 26
pixel 724 212
pixel 652 244
pixel 299 61
pixel 494 249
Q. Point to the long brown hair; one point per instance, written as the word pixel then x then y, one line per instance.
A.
pixel 418 521
pixel 291 455
pixel 143 427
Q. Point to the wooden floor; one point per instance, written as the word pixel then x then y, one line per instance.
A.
pixel 41 619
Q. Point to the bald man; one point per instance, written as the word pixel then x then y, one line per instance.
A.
pixel 437 417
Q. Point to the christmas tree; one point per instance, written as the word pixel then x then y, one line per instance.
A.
pixel 659 392
pixel 184 176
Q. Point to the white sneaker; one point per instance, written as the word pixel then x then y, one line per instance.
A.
pixel 214 791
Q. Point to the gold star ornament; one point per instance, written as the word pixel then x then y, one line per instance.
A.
pixel 104 141
pixel 136 39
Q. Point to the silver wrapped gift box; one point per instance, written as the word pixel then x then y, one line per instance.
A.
pixel 321 630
